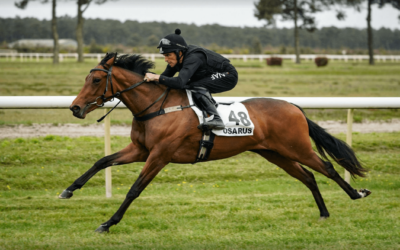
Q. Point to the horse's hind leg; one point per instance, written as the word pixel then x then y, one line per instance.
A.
pixel 129 154
pixel 297 171
pixel 327 169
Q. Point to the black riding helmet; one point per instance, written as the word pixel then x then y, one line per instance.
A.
pixel 173 43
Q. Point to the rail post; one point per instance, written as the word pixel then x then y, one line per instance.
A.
pixel 349 138
pixel 107 149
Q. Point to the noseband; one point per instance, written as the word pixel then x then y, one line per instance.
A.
pixel 117 94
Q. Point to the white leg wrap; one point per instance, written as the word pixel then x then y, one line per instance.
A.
pixel 364 193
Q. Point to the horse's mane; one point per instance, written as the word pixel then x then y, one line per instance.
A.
pixel 135 63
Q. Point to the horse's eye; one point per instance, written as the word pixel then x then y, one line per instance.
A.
pixel 97 80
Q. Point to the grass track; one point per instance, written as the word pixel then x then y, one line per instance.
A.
pixel 238 203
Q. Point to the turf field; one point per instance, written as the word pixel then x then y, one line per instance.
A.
pixel 239 203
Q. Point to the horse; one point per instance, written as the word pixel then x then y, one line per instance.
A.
pixel 281 135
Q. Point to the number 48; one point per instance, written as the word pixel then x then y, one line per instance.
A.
pixel 242 116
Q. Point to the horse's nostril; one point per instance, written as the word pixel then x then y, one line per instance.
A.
pixel 75 109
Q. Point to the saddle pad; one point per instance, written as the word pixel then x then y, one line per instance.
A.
pixel 234 115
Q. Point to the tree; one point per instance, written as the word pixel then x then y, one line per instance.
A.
pixel 134 40
pixel 152 41
pixel 82 7
pixel 135 34
pixel 381 3
pixel 292 10
pixel 256 47
pixel 56 48
pixel 357 5
pixel 94 47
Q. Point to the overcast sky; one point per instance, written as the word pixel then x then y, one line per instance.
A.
pixel 224 12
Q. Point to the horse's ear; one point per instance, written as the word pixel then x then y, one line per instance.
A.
pixel 110 62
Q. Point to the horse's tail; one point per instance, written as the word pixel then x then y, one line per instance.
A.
pixel 335 148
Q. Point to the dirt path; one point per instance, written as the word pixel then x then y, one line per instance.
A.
pixel 335 127
pixel 76 130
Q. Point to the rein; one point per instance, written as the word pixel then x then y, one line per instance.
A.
pixel 117 94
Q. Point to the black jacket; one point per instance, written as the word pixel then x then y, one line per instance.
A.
pixel 198 63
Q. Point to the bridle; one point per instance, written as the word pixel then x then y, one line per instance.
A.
pixel 117 94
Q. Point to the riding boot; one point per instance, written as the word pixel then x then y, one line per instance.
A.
pixel 207 104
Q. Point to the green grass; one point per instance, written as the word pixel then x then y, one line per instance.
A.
pixel 242 202
pixel 255 79
pixel 239 203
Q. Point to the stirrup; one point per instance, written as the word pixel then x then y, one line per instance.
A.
pixel 207 126
pixel 203 127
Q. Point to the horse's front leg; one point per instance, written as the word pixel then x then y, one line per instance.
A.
pixel 132 153
pixel 152 167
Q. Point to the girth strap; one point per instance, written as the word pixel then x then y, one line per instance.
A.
pixel 206 145
pixel 161 112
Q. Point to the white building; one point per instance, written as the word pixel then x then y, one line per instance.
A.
pixel 43 43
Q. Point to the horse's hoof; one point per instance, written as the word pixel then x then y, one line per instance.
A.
pixel 364 193
pixel 102 229
pixel 322 218
pixel 65 194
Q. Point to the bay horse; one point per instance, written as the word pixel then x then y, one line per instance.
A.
pixel 281 133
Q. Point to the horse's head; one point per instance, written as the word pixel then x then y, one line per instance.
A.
pixel 97 87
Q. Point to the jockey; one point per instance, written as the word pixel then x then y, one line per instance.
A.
pixel 200 70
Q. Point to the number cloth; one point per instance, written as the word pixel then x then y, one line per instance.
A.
pixel 235 117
